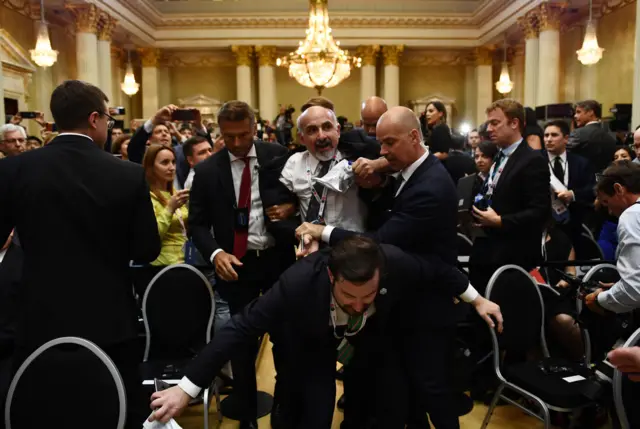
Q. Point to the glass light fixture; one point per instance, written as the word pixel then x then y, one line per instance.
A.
pixel 590 53
pixel 129 85
pixel 43 55
pixel 319 62
pixel 504 85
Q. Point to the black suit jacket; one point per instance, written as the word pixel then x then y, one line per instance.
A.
pixel 522 199
pixel 82 215
pixel 582 180
pixel 459 165
pixel 212 200
pixel 595 144
pixel 299 302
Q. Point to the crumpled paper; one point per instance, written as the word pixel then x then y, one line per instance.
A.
pixel 339 179
pixel 171 424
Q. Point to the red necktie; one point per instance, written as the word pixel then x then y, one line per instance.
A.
pixel 241 236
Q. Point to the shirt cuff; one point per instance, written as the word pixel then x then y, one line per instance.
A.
pixel 189 388
pixel 602 299
pixel 326 233
pixel 213 255
pixel 148 126
pixel 470 294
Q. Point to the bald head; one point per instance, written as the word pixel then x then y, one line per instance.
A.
pixel 400 136
pixel 372 109
pixel 402 117
pixel 319 131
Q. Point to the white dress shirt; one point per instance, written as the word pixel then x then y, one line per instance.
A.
pixel 189 182
pixel 624 296
pixel 408 171
pixel 346 210
pixel 565 167
pixel 259 238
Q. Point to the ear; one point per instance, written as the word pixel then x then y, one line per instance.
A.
pixel 331 278
pixel 93 118
pixel 618 189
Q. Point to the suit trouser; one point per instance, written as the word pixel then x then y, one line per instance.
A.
pixel 257 274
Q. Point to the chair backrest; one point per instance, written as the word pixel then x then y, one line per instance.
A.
pixel 606 273
pixel 587 249
pixel 178 309
pixel 625 392
pixel 520 301
pixel 64 372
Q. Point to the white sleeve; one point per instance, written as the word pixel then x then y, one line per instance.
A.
pixel 326 233
pixel 189 388
pixel 148 126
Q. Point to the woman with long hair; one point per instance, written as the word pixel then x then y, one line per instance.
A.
pixel 437 134
pixel 533 133
pixel 159 164
pixel 120 146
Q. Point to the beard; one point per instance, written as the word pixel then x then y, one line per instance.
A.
pixel 324 155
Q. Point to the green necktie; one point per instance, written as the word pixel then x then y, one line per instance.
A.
pixel 345 349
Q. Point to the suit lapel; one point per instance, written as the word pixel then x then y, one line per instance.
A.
pixel 514 159
pixel 226 178
pixel 415 177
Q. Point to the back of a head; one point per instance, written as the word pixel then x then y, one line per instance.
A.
pixel 591 105
pixel 403 116
pixel 73 101
pixel 488 149
pixel 318 101
pixel 457 142
pixel 374 105
pixel 530 119
pixel 356 259
pixel 625 173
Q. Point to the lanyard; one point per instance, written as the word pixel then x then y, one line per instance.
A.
pixel 184 229
pixel 322 200
pixel 494 176
pixel 334 320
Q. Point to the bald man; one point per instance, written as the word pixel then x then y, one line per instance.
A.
pixel 372 109
pixel 423 207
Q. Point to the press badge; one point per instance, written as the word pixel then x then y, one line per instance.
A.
pixel 242 218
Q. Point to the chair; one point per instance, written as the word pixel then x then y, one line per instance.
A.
pixel 63 371
pixel 620 383
pixel 465 246
pixel 185 295
pixel 587 249
pixel 511 287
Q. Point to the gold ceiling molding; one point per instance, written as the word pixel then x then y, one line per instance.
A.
pixel 437 58
pixel 197 59
pixel 609 6
pixel 23 7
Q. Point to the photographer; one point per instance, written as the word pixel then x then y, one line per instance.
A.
pixel 618 189
pixel 284 124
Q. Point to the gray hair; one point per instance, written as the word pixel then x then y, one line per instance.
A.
pixel 9 128
pixel 332 114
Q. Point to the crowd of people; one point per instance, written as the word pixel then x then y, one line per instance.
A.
pixel 345 250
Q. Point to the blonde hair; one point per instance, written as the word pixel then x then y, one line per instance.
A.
pixel 511 109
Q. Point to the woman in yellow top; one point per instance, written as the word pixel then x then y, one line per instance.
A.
pixel 171 213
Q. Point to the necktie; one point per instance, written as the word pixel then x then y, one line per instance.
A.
pixel 345 349
pixel 396 185
pixel 497 163
pixel 241 236
pixel 313 212
pixel 558 171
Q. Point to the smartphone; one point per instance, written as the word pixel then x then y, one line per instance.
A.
pixel 160 385
pixel 184 115
pixel 28 115
pixel 51 127
pixel 116 110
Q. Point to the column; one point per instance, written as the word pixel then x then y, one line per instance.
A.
pixel 268 101
pixel 470 95
pixel 244 61
pixel 105 30
pixel 549 55
pixel 636 74
pixel 484 82
pixel 87 17
pixel 391 56
pixel 529 24
pixel 150 78
pixel 369 55
pixel 118 62
pixel 517 72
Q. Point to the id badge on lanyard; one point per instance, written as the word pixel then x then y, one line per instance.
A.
pixel 322 200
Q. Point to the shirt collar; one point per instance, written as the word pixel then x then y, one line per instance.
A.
pixel 563 157
pixel 251 154
pixel 592 122
pixel 508 151
pixel 408 171
pixel 74 134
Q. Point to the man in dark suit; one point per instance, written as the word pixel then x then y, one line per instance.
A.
pixel 516 203
pixel 458 163
pixel 574 173
pixel 422 212
pixel 590 140
pixel 82 215
pixel 227 195
pixel 350 300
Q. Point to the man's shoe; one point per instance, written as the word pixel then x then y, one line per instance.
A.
pixel 341 403
pixel 248 424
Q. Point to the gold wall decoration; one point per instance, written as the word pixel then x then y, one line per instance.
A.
pixel 609 6
pixel 266 55
pixel 197 59
pixel 529 24
pixel 106 25
pixel 369 54
pixel 23 7
pixel 483 56
pixel 391 54
pixel 87 17
pixel 244 55
pixel 438 58
pixel 150 57
pixel 118 56
pixel 549 15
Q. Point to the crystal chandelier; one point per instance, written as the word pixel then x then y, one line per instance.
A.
pixel 590 53
pixel 319 62
pixel 43 55
pixel 129 86
pixel 504 84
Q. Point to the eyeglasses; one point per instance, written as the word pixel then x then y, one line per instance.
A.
pixel 15 141
pixel 110 122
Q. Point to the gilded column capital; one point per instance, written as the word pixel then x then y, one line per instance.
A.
pixel 106 25
pixel 118 56
pixel 529 24
pixel 266 55
pixel 549 15
pixel 483 56
pixel 391 54
pixel 368 53
pixel 150 56
pixel 244 55
pixel 87 17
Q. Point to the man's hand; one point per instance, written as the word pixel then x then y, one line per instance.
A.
pixel 363 168
pixel 224 263
pixel 627 360
pixel 562 284
pixel 488 218
pixel 168 404
pixel 372 181
pixel 565 196
pixel 315 231
pixel 40 119
pixel 280 211
pixel 308 247
pixel 486 309
pixel 164 115
pixel 16 119
pixel 606 285
pixel 590 302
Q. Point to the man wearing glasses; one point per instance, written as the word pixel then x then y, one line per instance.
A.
pixel 82 215
pixel 13 140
